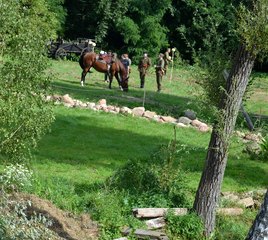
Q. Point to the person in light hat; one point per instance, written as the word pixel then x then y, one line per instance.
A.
pixel 167 59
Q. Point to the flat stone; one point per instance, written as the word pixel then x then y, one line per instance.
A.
pixel 155 223
pixel 230 211
pixel 185 120
pixel 138 111
pixel 168 119
pixel 196 123
pixel 246 202
pixel 149 114
pixel 230 197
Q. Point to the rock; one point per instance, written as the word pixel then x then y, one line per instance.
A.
pixel 184 120
pixel 230 211
pixel 239 134
pixel 253 148
pixel 48 98
pixel 203 127
pixel 138 111
pixel 190 114
pixel 125 110
pixel 67 99
pixel 110 108
pixel 230 196
pixel 155 223
pixel 253 137
pixel 168 119
pixel 149 114
pixel 181 125
pixel 83 105
pixel 196 123
pixel 117 109
pixel 122 238
pixel 56 97
pixel 91 105
pixel 102 102
pixel 68 105
pixel 246 202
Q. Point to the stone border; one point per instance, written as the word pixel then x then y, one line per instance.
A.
pixel 101 105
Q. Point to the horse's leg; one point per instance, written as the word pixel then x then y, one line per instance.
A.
pixel 83 76
pixel 110 79
pixel 119 80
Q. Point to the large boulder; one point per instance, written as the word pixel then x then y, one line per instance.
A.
pixel 190 114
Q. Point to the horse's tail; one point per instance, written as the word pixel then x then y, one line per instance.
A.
pixel 81 61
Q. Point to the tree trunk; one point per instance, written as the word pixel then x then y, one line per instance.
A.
pixel 208 192
pixel 259 229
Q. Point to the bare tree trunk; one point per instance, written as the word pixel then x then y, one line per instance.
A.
pixel 208 192
pixel 259 229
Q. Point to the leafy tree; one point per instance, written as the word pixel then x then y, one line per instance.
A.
pixel 253 41
pixel 56 6
pixel 26 26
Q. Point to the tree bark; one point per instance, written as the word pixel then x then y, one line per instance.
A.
pixel 259 229
pixel 208 192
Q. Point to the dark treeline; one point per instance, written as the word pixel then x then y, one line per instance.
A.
pixel 195 28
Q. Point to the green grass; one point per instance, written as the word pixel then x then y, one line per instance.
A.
pixel 85 147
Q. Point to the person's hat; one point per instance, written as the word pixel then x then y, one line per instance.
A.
pixel 101 52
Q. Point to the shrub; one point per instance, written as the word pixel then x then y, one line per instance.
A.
pixel 185 227
pixel 15 177
pixel 156 182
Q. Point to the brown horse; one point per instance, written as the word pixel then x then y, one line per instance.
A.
pixel 117 69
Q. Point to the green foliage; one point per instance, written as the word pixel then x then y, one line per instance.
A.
pixel 158 182
pixel 113 217
pixel 233 227
pixel 264 149
pixel 185 227
pixel 56 6
pixel 15 178
pixel 254 38
pixel 23 85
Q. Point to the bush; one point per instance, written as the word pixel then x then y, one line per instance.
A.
pixel 15 177
pixel 185 227
pixel 157 182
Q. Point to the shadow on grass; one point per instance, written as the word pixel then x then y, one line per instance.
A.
pixel 94 142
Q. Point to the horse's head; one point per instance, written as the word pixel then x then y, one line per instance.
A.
pixel 124 84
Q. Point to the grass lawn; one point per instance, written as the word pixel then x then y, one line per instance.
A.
pixel 84 147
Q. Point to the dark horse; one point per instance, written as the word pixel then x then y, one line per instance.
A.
pixel 117 69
